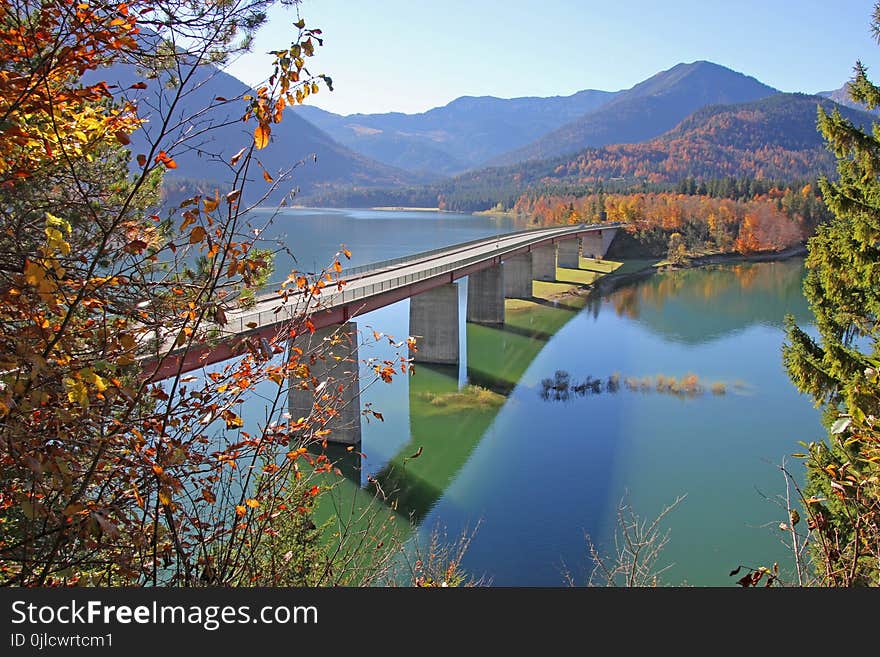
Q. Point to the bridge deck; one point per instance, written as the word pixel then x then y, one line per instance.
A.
pixel 371 287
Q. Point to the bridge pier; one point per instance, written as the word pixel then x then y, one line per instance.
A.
pixel 596 244
pixel 544 263
pixel 433 320
pixel 518 277
pixel 334 360
pixel 485 296
pixel 568 253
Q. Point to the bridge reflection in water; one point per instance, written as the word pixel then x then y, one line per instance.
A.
pixel 456 427
pixel 447 419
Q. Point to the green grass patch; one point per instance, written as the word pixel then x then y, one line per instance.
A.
pixel 468 398
pixel 636 264
pixel 590 270
pixel 577 276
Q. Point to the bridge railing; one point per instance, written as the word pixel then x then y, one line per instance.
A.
pixel 269 291
pixel 350 295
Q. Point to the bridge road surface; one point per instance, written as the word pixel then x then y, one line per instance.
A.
pixel 366 288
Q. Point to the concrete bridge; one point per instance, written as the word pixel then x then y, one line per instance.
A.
pixel 497 268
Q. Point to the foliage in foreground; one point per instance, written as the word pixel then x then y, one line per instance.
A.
pixel 841 370
pixel 109 476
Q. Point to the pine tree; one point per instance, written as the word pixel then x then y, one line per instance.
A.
pixel 840 369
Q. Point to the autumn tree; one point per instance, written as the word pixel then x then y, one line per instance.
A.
pixel 841 369
pixel 107 474
pixel 676 253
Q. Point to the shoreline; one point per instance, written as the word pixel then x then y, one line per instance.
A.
pixel 508 214
pixel 403 208
pixel 610 282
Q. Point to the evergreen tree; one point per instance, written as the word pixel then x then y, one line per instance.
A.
pixel 840 369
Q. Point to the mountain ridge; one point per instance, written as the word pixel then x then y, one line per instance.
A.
pixel 208 131
pixel 457 136
pixel 646 110
pixel 773 138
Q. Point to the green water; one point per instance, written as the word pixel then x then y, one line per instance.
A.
pixel 538 474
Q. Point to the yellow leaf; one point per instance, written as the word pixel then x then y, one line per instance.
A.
pixel 57 222
pixel 240 510
pixel 232 420
pixel 33 273
pixel 252 503
pixel 77 393
pixel 261 136
pixel 211 203
pixel 90 376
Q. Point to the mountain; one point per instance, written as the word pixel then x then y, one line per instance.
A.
pixel 210 132
pixel 774 138
pixel 645 111
pixel 841 97
pixel 458 136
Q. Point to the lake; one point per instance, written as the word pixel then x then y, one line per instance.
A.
pixel 574 419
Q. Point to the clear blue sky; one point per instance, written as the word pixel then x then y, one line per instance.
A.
pixel 409 56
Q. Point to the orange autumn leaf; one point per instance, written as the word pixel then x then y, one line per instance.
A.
pixel 163 158
pixel 240 510
pixel 252 503
pixel 261 136
pixel 196 235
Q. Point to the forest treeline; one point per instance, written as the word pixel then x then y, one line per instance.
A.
pixel 661 222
